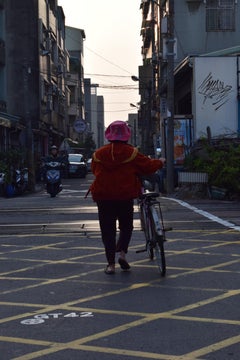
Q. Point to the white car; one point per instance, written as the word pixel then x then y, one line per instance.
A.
pixel 77 166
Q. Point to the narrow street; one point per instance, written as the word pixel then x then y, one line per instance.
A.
pixel 57 303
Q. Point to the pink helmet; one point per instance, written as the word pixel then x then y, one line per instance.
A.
pixel 118 131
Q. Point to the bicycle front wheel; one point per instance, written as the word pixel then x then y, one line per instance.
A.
pixel 160 256
pixel 147 229
pixel 158 240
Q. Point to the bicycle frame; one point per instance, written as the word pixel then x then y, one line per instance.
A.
pixel 153 227
pixel 157 217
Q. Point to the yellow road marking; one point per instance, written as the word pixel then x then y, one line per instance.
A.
pixel 175 314
pixel 214 347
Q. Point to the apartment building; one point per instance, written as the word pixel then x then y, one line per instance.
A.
pixel 203 26
pixel 32 84
pixel 148 78
pixel 203 45
pixel 173 33
pixel 100 120
pixel 75 83
pixel 94 112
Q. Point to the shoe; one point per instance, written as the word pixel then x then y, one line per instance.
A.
pixel 109 270
pixel 124 264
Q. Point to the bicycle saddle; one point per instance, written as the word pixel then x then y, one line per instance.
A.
pixel 149 194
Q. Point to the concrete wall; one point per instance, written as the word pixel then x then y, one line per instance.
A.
pixel 215 95
pixel 190 30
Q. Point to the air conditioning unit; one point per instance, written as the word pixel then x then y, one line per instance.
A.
pixel 49 105
pixel 60 69
pixel 48 44
pixel 42 89
pixel 164 25
pixel 54 89
pixel 165 49
pixel 40 32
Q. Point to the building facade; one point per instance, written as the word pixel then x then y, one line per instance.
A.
pixel 211 28
pixel 94 112
pixel 148 77
pixel 32 77
pixel 42 91
pixel 100 121
pixel 208 25
pixel 171 32
pixel 75 83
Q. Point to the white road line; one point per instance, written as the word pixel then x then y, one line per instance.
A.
pixel 70 191
pixel 207 214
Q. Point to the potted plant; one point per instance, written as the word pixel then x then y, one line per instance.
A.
pixel 222 163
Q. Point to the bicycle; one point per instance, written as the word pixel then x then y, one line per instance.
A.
pixel 152 224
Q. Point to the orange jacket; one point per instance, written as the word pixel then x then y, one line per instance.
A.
pixel 117 167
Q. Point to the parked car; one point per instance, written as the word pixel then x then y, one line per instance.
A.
pixel 77 166
pixel 89 163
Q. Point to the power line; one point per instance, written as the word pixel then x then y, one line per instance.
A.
pixel 102 57
pixel 113 111
pixel 108 75
pixel 108 61
pixel 119 87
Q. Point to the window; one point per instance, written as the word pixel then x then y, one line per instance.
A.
pixel 220 15
pixel 72 94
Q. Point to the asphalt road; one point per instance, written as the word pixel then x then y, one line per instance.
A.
pixel 56 302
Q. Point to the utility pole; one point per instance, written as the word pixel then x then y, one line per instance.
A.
pixel 170 100
pixel 27 89
pixel 152 102
pixel 28 121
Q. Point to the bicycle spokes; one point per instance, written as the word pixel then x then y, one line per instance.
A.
pixel 160 257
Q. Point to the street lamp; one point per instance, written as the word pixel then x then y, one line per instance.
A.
pixel 133 105
pixel 134 78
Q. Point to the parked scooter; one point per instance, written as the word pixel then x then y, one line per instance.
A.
pixel 2 183
pixel 18 185
pixel 52 175
pixel 21 181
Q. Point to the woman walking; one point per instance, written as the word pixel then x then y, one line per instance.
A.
pixel 117 167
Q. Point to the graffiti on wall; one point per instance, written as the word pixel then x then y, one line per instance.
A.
pixel 214 90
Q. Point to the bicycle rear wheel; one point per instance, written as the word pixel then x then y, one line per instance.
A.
pixel 158 244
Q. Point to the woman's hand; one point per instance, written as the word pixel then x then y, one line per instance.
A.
pixel 163 160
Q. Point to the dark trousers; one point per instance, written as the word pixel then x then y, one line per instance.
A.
pixel 109 211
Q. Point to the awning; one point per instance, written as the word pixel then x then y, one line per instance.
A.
pixel 10 121
pixel 67 144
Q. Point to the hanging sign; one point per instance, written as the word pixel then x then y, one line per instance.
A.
pixel 79 125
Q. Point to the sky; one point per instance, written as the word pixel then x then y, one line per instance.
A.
pixel 112 49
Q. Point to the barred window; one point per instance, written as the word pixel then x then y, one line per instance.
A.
pixel 220 15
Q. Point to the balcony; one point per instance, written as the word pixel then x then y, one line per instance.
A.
pixel 193 5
